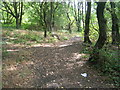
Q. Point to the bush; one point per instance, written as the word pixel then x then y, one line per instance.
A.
pixel 65 38
pixel 109 63
pixel 20 38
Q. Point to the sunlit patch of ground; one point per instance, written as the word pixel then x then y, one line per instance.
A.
pixel 49 65
pixel 11 68
pixel 16 67
pixel 64 45
pixel 77 56
pixel 42 45
pixel 17 75
pixel 10 50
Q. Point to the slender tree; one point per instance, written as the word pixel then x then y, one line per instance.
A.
pixel 77 15
pixel 83 15
pixel 44 11
pixel 53 7
pixel 87 22
pixel 102 25
pixel 70 22
pixel 115 26
pixel 45 19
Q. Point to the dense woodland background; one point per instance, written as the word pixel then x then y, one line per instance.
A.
pixel 97 23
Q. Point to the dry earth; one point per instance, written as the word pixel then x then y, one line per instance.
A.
pixel 57 65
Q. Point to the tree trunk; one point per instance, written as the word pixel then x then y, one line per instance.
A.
pixel 46 27
pixel 69 28
pixel 79 18
pixel 45 33
pixel 102 25
pixel 21 13
pixel 115 26
pixel 87 21
pixel 94 57
pixel 17 22
pixel 53 22
pixel 16 14
pixel 68 16
pixel 83 16
pixel 51 15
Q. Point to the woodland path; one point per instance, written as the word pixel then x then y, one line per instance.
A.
pixel 58 65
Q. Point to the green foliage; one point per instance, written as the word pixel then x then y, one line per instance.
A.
pixel 87 49
pixel 64 31
pixel 65 38
pixel 50 40
pixel 93 33
pixel 16 41
pixel 16 37
pixel 31 37
pixel 27 37
pixel 8 26
pixel 109 62
pixel 26 26
pixel 7 33
pixel 111 59
pixel 34 15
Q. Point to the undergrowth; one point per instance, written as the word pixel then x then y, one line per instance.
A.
pixel 110 63
pixel 28 37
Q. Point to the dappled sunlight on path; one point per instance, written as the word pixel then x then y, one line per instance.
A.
pixel 58 65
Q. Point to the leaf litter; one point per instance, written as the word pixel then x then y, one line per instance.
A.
pixel 51 67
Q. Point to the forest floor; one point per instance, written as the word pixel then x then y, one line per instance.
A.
pixel 47 65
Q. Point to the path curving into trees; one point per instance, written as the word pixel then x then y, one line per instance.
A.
pixel 56 66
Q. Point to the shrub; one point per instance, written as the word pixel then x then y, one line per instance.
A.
pixel 109 63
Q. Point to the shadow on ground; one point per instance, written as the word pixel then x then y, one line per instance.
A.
pixel 55 66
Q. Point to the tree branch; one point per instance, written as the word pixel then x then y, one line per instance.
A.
pixel 8 9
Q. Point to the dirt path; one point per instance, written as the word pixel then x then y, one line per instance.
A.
pixel 55 65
